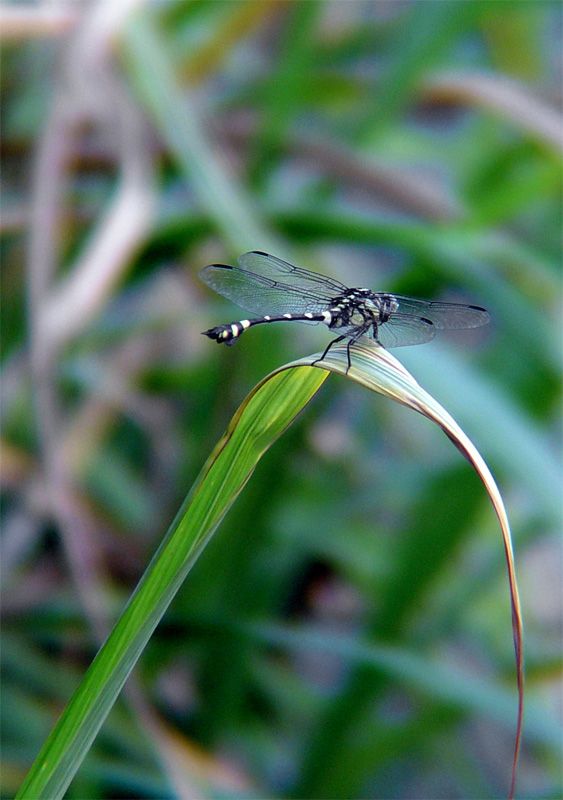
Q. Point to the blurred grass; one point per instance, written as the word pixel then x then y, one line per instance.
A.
pixel 318 131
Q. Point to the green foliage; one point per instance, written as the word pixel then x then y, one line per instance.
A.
pixel 346 631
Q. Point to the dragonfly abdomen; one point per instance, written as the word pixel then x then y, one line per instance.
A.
pixel 227 334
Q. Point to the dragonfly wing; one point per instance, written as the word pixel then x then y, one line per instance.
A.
pixel 302 280
pixel 443 315
pixel 402 330
pixel 259 294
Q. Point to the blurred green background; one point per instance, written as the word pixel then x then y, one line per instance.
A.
pixel 347 631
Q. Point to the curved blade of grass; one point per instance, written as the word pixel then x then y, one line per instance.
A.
pixel 261 419
pixel 376 369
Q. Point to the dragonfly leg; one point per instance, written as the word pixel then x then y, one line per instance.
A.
pixel 352 341
pixel 327 348
pixel 348 356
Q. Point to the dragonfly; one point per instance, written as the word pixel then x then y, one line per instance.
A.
pixel 279 292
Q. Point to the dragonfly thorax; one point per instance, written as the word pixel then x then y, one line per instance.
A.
pixel 361 308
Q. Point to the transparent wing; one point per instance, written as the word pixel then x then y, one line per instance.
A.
pixel 269 286
pixel 303 280
pixel 402 330
pixel 442 315
pixel 259 295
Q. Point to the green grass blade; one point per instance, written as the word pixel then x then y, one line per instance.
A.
pixel 376 369
pixel 260 420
